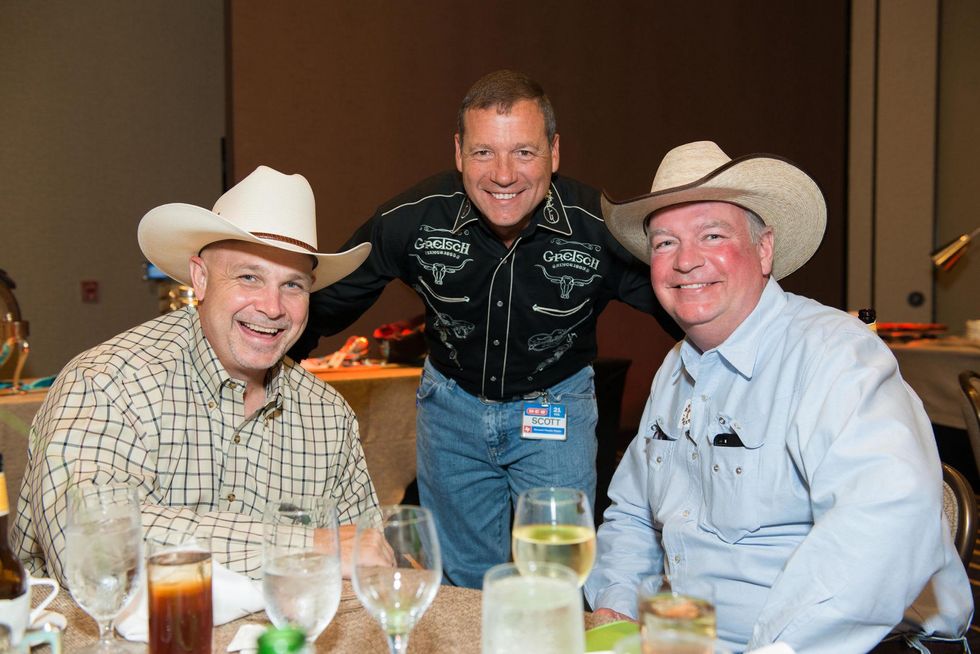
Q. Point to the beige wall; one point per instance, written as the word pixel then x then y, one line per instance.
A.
pixel 107 108
pixel 361 98
pixel 914 135
pixel 958 292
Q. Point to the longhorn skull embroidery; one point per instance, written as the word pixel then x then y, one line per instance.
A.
pixel 566 282
pixel 439 270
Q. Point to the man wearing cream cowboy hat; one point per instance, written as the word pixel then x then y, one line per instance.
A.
pixel 780 456
pixel 199 409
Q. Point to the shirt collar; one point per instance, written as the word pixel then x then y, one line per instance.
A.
pixel 213 375
pixel 741 348
pixel 549 214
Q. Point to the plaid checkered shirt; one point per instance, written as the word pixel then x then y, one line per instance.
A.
pixel 154 408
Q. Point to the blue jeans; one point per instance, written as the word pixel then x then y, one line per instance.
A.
pixel 473 464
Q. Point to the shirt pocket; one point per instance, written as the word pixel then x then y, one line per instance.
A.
pixel 659 450
pixel 731 481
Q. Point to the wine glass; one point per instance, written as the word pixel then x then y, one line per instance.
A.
pixel 397 568
pixel 554 525
pixel 301 563
pixel 104 557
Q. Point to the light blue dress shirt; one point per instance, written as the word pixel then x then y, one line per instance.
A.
pixel 825 526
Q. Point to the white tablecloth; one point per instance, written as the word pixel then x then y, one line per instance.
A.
pixel 931 368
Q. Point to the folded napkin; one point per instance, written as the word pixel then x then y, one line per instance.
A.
pixel 775 648
pixel 53 618
pixel 233 596
pixel 246 640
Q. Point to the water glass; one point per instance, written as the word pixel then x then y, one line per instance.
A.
pixel 687 607
pixel 397 568
pixel 554 525
pixel 535 609
pixel 179 586
pixel 103 559
pixel 301 563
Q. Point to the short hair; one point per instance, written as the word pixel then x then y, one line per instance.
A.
pixel 501 89
pixel 757 226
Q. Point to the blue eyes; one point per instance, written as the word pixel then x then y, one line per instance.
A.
pixel 293 286
pixel 657 245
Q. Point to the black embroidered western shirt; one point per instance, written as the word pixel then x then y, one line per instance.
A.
pixel 502 322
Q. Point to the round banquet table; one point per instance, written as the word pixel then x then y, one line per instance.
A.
pixel 451 626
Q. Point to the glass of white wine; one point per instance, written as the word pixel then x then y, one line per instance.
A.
pixel 397 568
pixel 301 563
pixel 554 525
pixel 103 560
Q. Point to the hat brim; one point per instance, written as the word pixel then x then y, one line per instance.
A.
pixel 171 234
pixel 784 196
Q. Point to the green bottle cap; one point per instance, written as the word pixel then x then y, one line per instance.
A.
pixel 282 641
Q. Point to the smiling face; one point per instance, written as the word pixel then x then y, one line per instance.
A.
pixel 254 303
pixel 705 269
pixel 506 162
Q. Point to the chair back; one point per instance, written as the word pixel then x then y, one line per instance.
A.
pixel 960 507
pixel 970 403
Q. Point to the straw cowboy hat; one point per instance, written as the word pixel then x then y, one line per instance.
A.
pixel 785 197
pixel 267 207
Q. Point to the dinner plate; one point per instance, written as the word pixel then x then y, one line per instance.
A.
pixel 604 637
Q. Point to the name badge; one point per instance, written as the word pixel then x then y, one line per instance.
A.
pixel 544 421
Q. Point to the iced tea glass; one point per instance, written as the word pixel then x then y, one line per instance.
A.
pixel 179 585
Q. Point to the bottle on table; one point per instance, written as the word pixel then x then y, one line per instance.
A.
pixel 869 318
pixel 282 640
pixel 14 598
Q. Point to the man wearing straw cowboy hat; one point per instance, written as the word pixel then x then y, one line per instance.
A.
pixel 780 456
pixel 199 409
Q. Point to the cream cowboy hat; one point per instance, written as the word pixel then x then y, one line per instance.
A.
pixel 267 207
pixel 785 197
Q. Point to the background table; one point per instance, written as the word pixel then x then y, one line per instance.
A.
pixel 16 414
pixel 383 398
pixel 450 626
pixel 931 366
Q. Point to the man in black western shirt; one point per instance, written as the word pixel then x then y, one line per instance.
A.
pixel 513 264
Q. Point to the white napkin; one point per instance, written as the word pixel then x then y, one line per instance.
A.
pixel 247 638
pixel 233 595
pixel 775 648
pixel 52 618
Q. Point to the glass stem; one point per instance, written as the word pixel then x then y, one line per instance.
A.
pixel 105 630
pixel 398 643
